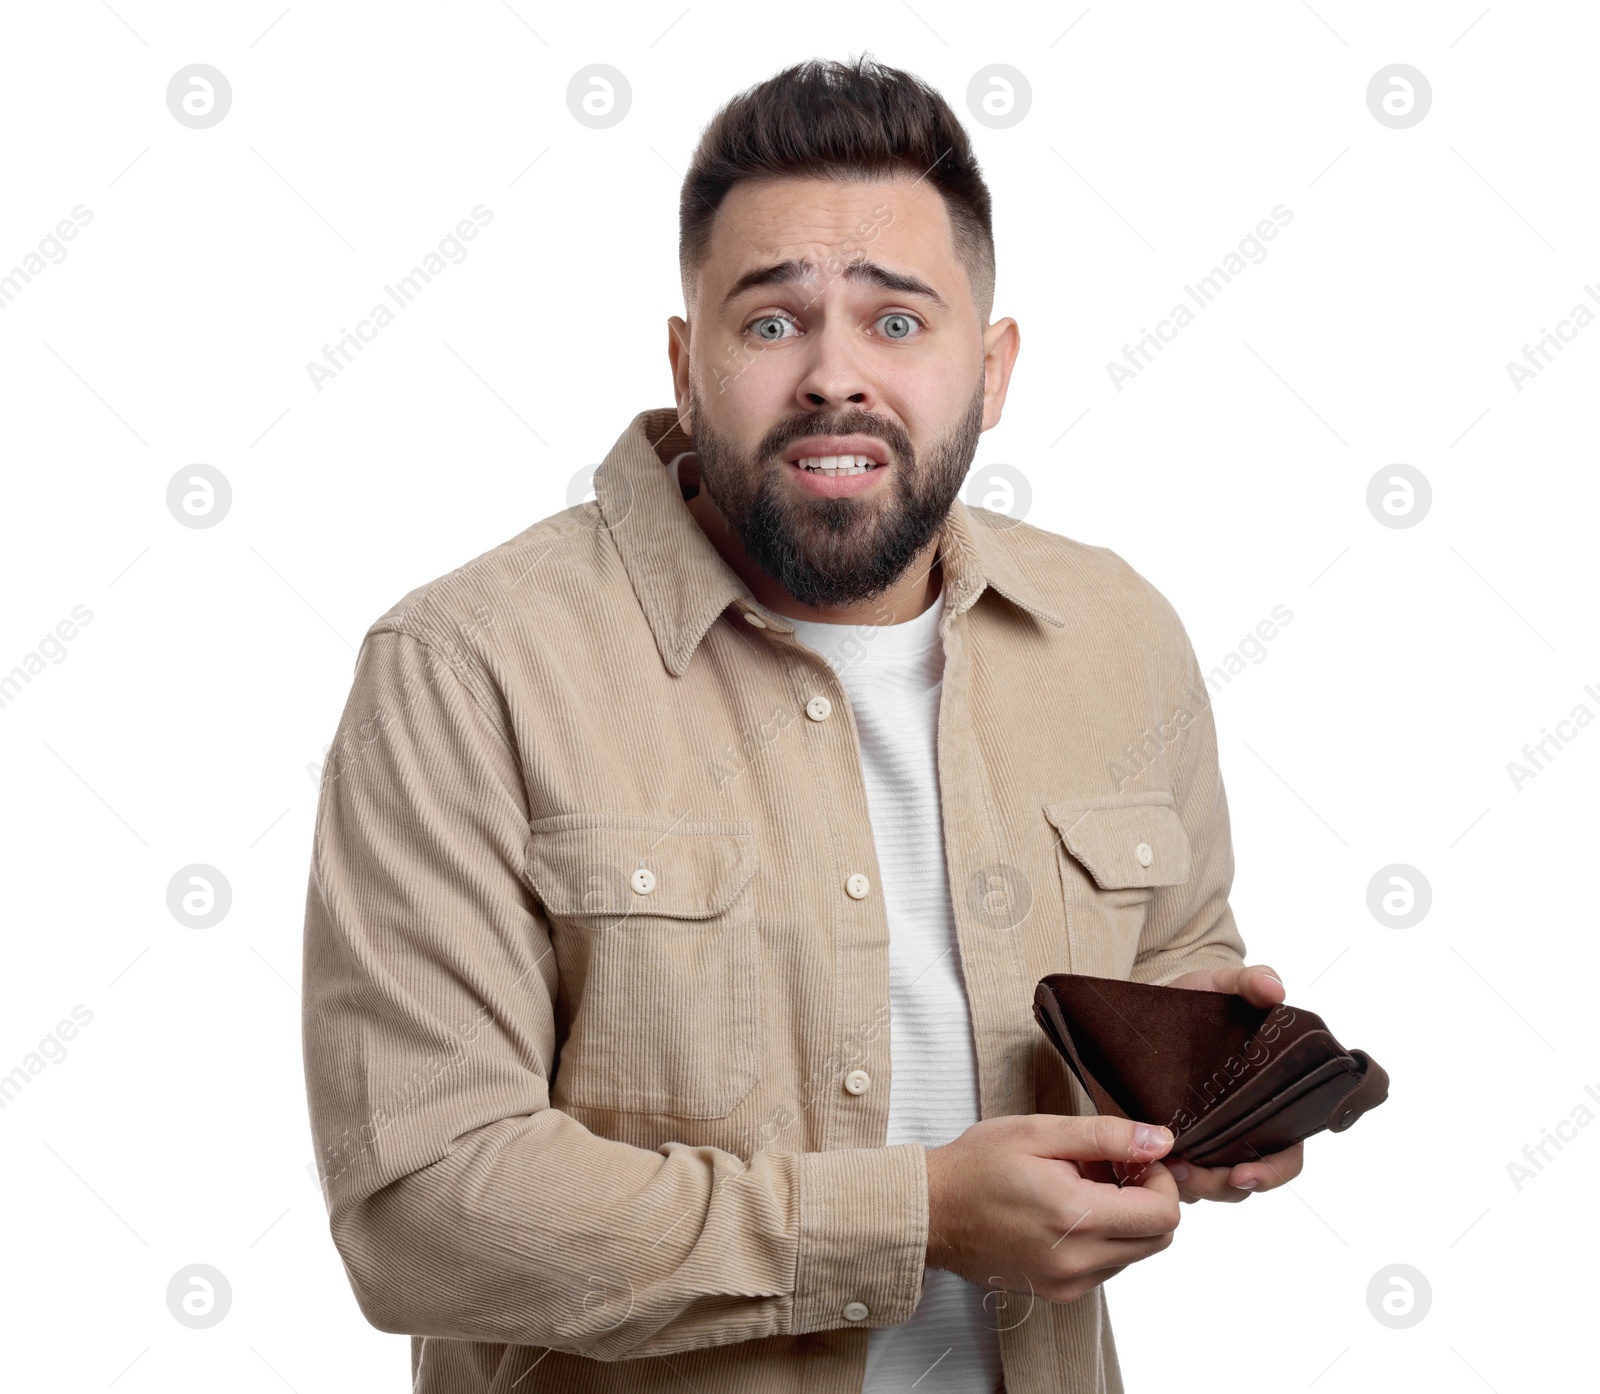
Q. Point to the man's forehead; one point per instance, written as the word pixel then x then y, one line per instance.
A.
pixel 812 227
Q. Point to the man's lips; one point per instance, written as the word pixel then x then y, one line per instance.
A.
pixel 836 486
pixel 820 447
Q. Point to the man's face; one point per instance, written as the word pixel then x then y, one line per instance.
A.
pixel 833 322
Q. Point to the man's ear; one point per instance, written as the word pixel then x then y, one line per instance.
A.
pixel 678 357
pixel 1002 341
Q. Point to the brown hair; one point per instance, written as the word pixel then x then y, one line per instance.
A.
pixel 845 121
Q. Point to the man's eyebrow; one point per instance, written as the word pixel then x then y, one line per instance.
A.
pixel 793 269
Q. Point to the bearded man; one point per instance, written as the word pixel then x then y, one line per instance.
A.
pixel 685 865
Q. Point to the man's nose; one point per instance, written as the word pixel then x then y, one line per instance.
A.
pixel 835 372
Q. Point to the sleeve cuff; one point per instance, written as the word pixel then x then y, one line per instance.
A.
pixel 863 1236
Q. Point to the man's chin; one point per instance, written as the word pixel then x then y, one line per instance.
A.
pixel 831 577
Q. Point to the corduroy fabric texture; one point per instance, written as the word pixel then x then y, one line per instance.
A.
pixel 583 976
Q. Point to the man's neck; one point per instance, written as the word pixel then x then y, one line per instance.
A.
pixel 917 588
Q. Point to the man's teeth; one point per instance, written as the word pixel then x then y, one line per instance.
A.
pixel 838 464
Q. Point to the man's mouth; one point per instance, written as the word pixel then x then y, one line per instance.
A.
pixel 835 466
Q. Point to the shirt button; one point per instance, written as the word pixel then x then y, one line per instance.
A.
pixel 643 881
pixel 1144 854
pixel 858 1081
pixel 819 708
pixel 857 886
pixel 750 617
pixel 855 1311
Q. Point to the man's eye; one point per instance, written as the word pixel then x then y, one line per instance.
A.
pixel 897 325
pixel 770 327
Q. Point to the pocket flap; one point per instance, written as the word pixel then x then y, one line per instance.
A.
pixel 586 864
pixel 1125 845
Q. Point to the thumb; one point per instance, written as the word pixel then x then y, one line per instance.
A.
pixel 1105 1138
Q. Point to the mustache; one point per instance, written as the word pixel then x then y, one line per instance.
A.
pixel 859 423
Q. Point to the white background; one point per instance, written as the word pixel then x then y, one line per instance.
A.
pixel 179 726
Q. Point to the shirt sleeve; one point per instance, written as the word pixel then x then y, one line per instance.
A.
pixel 1191 926
pixel 463 1205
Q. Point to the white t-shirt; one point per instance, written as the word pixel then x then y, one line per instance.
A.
pixel 893 674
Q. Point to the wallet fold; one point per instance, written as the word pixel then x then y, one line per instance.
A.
pixel 1233 1082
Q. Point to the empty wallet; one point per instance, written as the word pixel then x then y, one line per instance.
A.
pixel 1232 1081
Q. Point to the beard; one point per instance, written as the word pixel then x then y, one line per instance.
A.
pixel 833 553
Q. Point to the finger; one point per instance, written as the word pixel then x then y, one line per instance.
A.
pixel 1104 1137
pixel 1268 1172
pixel 1156 1175
pixel 1125 1213
pixel 1206 1183
pixel 1257 983
pixel 1102 1173
pixel 1145 1214
pixel 1159 1180
pixel 1260 986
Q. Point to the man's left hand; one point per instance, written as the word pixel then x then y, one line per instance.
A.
pixel 1261 987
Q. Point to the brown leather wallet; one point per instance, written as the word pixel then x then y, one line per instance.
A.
pixel 1233 1082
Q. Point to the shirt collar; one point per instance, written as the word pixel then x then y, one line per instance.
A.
pixel 681 580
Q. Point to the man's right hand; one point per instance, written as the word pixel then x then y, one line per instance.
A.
pixel 1014 1202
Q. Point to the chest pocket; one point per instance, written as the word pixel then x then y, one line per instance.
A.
pixel 1113 852
pixel 654 924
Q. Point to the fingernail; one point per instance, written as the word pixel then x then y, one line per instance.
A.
pixel 1179 1171
pixel 1148 1138
pixel 1246 1185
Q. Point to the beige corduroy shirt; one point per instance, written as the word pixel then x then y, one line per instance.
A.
pixel 594 936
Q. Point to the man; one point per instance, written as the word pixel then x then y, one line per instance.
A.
pixel 684 866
